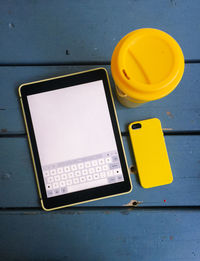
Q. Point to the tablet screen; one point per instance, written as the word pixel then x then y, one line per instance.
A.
pixel 75 138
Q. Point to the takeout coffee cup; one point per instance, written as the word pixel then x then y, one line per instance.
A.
pixel 146 65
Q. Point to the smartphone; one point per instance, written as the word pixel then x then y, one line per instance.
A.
pixel 150 153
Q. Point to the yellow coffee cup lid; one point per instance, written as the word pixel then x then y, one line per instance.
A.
pixel 147 64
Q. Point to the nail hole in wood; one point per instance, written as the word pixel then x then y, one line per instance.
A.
pixel 134 203
pixel 11 25
pixel 133 169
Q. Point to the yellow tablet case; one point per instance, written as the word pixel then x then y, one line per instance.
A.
pixel 150 153
pixel 32 155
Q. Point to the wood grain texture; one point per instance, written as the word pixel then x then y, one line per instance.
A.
pixel 100 235
pixel 87 31
pixel 18 186
pixel 178 111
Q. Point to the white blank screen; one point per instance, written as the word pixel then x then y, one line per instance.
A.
pixel 72 122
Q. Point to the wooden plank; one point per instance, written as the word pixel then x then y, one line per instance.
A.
pixel 77 31
pixel 18 187
pixel 178 111
pixel 100 235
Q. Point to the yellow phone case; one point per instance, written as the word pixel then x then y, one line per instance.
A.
pixel 150 153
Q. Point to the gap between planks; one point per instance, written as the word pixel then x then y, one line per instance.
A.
pixel 124 134
pixel 107 210
pixel 78 63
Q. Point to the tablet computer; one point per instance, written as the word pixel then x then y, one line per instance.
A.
pixel 74 139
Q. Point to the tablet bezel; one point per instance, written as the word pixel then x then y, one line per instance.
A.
pixel 83 195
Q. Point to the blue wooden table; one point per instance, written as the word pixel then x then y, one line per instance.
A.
pixel 41 39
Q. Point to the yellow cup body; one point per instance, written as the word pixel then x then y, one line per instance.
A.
pixel 146 65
